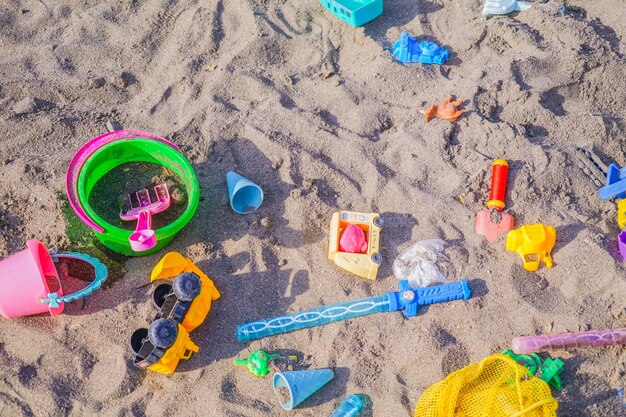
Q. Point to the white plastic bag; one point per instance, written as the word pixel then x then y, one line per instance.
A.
pixel 423 264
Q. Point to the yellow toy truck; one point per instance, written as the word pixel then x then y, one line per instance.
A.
pixel 182 306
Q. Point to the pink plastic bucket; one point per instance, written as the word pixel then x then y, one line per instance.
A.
pixel 23 282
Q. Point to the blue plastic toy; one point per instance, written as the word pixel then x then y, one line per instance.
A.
pixel 350 407
pixel 406 299
pixel 407 49
pixel 354 12
pixel 615 183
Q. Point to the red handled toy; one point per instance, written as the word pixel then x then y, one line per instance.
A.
pixel 487 223
pixel 499 176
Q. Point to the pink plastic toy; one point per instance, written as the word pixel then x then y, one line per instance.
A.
pixel 26 278
pixel 544 342
pixel 353 240
pixel 144 237
pixel 30 284
pixel 77 162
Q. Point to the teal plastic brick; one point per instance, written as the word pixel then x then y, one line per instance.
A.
pixel 354 12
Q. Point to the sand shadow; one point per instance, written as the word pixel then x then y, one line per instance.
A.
pixel 586 392
pixel 566 234
pixel 396 231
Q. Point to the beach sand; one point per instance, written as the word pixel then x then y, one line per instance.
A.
pixel 320 115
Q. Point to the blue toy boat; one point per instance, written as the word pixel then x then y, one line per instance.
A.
pixel 354 12
pixel 407 49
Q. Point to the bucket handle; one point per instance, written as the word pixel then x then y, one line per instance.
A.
pixel 101 274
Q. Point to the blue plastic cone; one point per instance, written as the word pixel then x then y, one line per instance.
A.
pixel 245 196
pixel 301 384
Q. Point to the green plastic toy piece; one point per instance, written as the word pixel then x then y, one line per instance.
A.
pixel 531 362
pixel 550 371
pixel 258 362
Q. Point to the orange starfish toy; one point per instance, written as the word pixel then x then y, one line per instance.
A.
pixel 446 110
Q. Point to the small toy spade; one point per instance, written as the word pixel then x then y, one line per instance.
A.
pixel 493 222
pixel 144 238
pixel 258 362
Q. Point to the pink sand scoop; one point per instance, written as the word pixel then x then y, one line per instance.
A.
pixel 144 238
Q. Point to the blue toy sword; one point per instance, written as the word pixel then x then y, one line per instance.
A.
pixel 406 299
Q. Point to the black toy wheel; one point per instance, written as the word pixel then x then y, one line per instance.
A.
pixel 378 222
pixel 136 340
pixel 159 294
pixel 187 286
pixel 377 258
pixel 162 333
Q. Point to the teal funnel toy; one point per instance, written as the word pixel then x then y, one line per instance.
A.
pixel 300 384
pixel 245 196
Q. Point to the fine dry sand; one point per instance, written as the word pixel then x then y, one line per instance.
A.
pixel 320 115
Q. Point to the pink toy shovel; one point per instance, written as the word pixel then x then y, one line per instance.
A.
pixel 144 238
pixel 493 222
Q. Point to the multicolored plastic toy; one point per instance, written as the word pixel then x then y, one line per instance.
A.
pixel 144 238
pixel 408 49
pixel 499 7
pixel 258 362
pixel 364 264
pixel 354 12
pixel 103 153
pixel 533 243
pixel 446 110
pixel 558 341
pixel 30 284
pixel 299 385
pixel 351 406
pixel 182 307
pixel 548 370
pixel 485 224
pixel 407 299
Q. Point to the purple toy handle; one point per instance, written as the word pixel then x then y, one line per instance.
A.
pixel 598 338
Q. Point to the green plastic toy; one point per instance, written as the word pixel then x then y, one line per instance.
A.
pixel 135 149
pixel 258 362
pixel 549 370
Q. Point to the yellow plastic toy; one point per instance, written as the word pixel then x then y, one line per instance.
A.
pixel 182 307
pixel 174 264
pixel 533 242
pixel 182 348
pixel 497 386
pixel 363 264
pixel 621 213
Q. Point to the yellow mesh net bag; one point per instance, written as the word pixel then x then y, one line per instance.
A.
pixel 497 386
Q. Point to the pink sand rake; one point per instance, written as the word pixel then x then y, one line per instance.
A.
pixel 144 237
pixel 558 341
